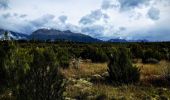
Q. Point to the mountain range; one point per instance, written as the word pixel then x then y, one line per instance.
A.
pixel 124 40
pixel 57 35
pixel 13 35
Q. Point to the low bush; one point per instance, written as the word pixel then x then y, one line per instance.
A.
pixel 63 57
pixel 136 51
pixel 151 54
pixel 95 54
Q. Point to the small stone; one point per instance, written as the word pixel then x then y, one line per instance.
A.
pixel 97 77
pixel 105 74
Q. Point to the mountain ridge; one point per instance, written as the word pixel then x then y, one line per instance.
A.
pixel 124 40
pixel 52 34
pixel 13 35
pixel 58 35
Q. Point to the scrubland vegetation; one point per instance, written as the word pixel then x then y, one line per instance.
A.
pixel 84 71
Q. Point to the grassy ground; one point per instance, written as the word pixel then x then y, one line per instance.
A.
pixel 80 87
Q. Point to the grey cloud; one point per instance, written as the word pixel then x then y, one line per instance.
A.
pixel 30 26
pixel 93 17
pixel 62 18
pixel 95 30
pixel 106 4
pixel 129 4
pixel 6 15
pixel 153 13
pixel 23 16
pixel 4 4
pixel 159 32
pixel 40 22
pixel 13 15
pixel 122 28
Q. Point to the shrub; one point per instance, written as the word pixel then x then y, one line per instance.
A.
pixel 136 51
pixel 63 57
pixel 6 53
pixel 121 69
pixel 99 56
pixel 150 54
pixel 168 56
pixel 95 54
pixel 43 80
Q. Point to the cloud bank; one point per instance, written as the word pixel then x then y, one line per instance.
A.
pixel 104 19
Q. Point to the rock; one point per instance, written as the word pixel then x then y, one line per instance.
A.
pixel 81 83
pixel 84 82
pixel 96 77
pixel 105 74
pixel 67 98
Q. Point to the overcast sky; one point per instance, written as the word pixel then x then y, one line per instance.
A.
pixel 103 19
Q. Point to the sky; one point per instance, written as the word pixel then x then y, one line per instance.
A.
pixel 102 19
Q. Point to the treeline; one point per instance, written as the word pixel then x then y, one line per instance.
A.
pixel 100 52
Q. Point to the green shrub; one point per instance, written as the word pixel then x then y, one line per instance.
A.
pixel 43 81
pixel 63 57
pixel 95 54
pixel 151 54
pixel 7 64
pixel 121 69
pixel 136 51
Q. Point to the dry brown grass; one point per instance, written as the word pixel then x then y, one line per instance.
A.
pixel 85 70
pixel 148 70
pixel 125 92
pixel 137 92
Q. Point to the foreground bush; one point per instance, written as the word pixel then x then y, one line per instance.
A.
pixel 121 69
pixel 43 80
pixel 6 50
